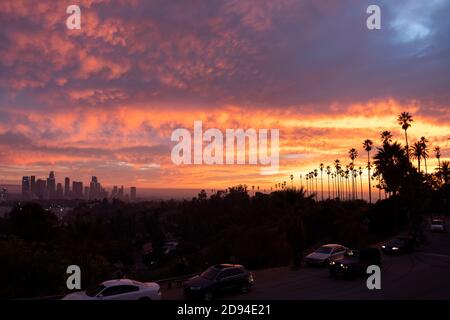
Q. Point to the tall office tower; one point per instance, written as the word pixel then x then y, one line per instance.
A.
pixel 67 187
pixel 121 192
pixel 3 194
pixel 77 190
pixel 59 191
pixel 86 192
pixel 33 185
pixel 41 188
pixel 25 186
pixel 114 192
pixel 94 188
pixel 133 193
pixel 51 184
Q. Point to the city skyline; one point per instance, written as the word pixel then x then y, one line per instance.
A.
pixel 105 99
pixel 49 188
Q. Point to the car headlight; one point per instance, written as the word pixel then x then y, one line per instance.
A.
pixel 383 246
pixel 332 263
pixel 394 248
pixel 195 288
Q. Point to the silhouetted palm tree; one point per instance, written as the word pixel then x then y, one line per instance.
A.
pixel 445 172
pixel 353 154
pixel 386 137
pixel 328 173
pixel 360 178
pixel 367 144
pixel 405 119
pixel 317 189
pixel 321 178
pixel 337 165
pixel 292 181
pixel 425 153
pixel 437 152
pixel 333 182
pixel 301 182
pixel 307 185
pixel 417 152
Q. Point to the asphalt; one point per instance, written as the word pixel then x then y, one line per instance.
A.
pixel 424 274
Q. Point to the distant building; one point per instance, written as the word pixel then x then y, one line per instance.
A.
pixel 3 194
pixel 114 192
pixel 133 193
pixel 41 189
pixel 67 187
pixel 25 186
pixel 86 192
pixel 59 191
pixel 121 192
pixel 77 189
pixel 51 185
pixel 33 184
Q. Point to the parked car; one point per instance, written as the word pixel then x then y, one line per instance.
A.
pixel 217 280
pixel 120 289
pixel 355 262
pixel 438 225
pixel 325 254
pixel 398 245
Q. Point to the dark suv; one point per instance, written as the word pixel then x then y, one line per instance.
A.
pixel 218 279
pixel 355 262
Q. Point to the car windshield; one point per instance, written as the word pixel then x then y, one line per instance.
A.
pixel 92 292
pixel 437 222
pixel 352 254
pixel 210 273
pixel 397 242
pixel 323 250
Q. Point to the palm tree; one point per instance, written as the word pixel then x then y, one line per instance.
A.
pixel 353 154
pixel 405 119
pixel 328 173
pixel 445 172
pixel 301 182
pixel 417 152
pixel 337 165
pixel 367 144
pixel 333 182
pixel 437 151
pixel 360 178
pixel 425 153
pixel 292 181
pixel 321 178
pixel 386 137
pixel 317 189
pixel 347 184
pixel 307 185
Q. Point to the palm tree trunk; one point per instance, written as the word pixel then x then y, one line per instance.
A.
pixel 407 145
pixel 328 187
pixel 362 195
pixel 321 183
pixel 426 169
pixel 368 169
pixel 317 191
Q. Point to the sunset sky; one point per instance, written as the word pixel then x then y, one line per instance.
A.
pixel 105 99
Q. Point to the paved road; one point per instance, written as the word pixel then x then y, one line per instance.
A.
pixel 422 275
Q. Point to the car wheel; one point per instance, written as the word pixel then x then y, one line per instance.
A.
pixel 245 288
pixel 208 295
pixel 144 299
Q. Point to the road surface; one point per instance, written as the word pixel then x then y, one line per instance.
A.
pixel 424 274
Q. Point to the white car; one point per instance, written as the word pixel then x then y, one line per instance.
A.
pixel 438 225
pixel 121 289
pixel 325 254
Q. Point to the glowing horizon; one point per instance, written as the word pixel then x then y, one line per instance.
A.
pixel 104 100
